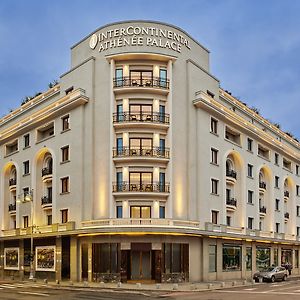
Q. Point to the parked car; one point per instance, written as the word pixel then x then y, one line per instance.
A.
pixel 271 274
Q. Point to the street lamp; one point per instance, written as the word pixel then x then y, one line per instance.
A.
pixel 28 197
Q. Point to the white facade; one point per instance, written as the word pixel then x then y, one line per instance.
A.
pixel 138 153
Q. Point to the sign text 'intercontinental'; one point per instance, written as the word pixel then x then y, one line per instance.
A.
pixel 139 36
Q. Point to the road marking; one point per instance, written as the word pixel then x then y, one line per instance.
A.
pixel 250 289
pixel 257 292
pixel 34 294
pixel 7 286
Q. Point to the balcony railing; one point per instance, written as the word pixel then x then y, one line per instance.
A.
pixel 231 173
pixel 46 171
pixel 141 116
pixel 231 202
pixel 287 215
pixel 12 181
pixel 144 81
pixel 145 152
pixel 263 210
pixel 12 207
pixel 46 200
pixel 141 187
pixel 262 185
pixel 286 194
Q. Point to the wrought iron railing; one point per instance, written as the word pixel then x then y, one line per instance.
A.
pixel 231 173
pixel 231 201
pixel 144 81
pixel 141 187
pixel 142 151
pixel 286 194
pixel 287 215
pixel 12 207
pixel 46 200
pixel 263 210
pixel 262 185
pixel 141 116
pixel 12 181
pixel 46 171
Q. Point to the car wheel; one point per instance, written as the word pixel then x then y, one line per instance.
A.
pixel 273 279
pixel 284 278
pixel 256 280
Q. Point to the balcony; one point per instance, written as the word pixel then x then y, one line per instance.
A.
pixel 286 216
pixel 12 208
pixel 262 186
pixel 154 84
pixel 141 119
pixel 286 194
pixel 231 176
pixel 12 184
pixel 262 211
pixel 231 204
pixel 143 152
pixel 46 202
pixel 126 187
pixel 47 174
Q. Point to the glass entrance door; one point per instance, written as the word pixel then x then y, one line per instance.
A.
pixel 140 265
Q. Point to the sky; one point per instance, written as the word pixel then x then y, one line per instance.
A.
pixel 254 45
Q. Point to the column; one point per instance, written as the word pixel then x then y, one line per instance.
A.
pixel 74 254
pixel 2 260
pixel 90 262
pixel 58 258
pixel 21 259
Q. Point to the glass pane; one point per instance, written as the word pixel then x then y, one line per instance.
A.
pixel 135 143
pixel 135 212
pixel 167 258
pixel 162 144
pixel 146 108
pixel 146 143
pixel 176 258
pixel 134 108
pixel 212 258
pixel 146 212
pixel 262 258
pixel 249 258
pixel 163 74
pixel 119 212
pixel 162 181
pixel 162 212
pixel 119 112
pixel 146 74
pixel 114 258
pixel 119 73
pixel 134 177
pixel 104 258
pixel 135 74
pixel 146 177
pixel 119 146
pixel 231 258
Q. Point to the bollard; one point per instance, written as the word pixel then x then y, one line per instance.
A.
pixel 253 281
pixel 222 284
pixel 138 285
pixel 175 286
pixel 57 281
pixel 46 281
pixel 244 282
pixel 158 286
pixel 209 286
pixel 85 283
pixel 119 284
pixel 71 282
pixel 260 280
pixel 233 283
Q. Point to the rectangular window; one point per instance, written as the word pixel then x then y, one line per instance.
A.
pixel 214 186
pixel 120 115
pixel 250 197
pixel 49 219
pixel 296 264
pixel 232 135
pixel 119 146
pixel 162 182
pixel 25 191
pixel 214 156
pixel 45 132
pixel 119 211
pixel 65 154
pixel 276 181
pixel 212 258
pixel 140 212
pixel 276 159
pixel 298 231
pixel 250 223
pixel 277 201
pixel 276 257
pixel 287 164
pixel 119 77
pixel 249 258
pixel 26 167
pixel 232 255
pixel 65 123
pixel 119 181
pixel 214 216
pixel 162 114
pixel 277 227
pixel 297 170
pixel 65 185
pixel 213 126
pixel 26 138
pixel 106 258
pixel 250 145
pixel 64 215
pixel 298 211
pixel 263 152
pixel 297 190
pixel 25 222
pixel 162 212
pixel 11 147
pixel 163 78
pixel 250 170
pixel 228 220
pixel 263 258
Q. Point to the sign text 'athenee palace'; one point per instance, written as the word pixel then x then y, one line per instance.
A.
pixel 139 36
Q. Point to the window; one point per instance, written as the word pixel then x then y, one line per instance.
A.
pixel 26 167
pixel 277 227
pixel 298 231
pixel 26 139
pixel 45 132
pixel 250 197
pixel 49 219
pixel 119 77
pixel 228 220
pixel 212 253
pixel 65 123
pixel 119 211
pixel 287 164
pixel 25 222
pixel 249 258
pixel 297 190
pixel 263 152
pixel 64 215
pixel 120 115
pixel 162 212
pixel 65 185
pixel 65 154
pixel 162 182
pixel 250 145
pixel 213 126
pixel 263 256
pixel 232 135
pixel 250 170
pixel 276 158
pixel 275 257
pixel 163 78
pixel 119 176
pixel 175 257
pixel 250 223
pixel 232 255
pixel 276 181
pixel 119 146
pixel 140 212
pixel 11 147
pixel 296 264
pixel 297 170
pixel 25 191
pixel 214 156
pixel 298 211
pixel 214 216
pixel 162 114
pixel 214 186
pixel 107 258
pixel 277 201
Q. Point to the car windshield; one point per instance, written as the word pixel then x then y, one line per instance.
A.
pixel 270 269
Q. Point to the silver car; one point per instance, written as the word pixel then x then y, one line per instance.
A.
pixel 271 274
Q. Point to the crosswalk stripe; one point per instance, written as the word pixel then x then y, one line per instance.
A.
pixel 7 286
pixel 252 289
pixel 34 294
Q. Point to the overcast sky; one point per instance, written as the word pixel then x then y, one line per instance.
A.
pixel 254 45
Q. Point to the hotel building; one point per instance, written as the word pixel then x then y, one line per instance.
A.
pixel 137 166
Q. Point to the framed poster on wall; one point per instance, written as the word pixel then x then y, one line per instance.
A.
pixel 11 258
pixel 45 258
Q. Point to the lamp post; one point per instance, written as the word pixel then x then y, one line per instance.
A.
pixel 28 197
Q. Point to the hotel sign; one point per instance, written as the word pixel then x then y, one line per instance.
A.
pixel 138 36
